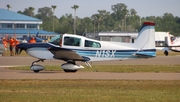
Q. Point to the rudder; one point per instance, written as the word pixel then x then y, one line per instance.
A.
pixel 146 36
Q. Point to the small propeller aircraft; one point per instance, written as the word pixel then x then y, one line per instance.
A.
pixel 173 44
pixel 71 48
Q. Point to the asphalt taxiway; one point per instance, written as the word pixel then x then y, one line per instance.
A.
pixel 8 61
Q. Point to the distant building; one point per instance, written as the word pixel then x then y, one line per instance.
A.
pixel 130 37
pixel 19 25
pixel 113 36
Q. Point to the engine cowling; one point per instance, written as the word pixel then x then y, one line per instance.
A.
pixel 37 67
pixel 71 67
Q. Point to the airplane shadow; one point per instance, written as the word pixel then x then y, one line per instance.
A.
pixel 43 72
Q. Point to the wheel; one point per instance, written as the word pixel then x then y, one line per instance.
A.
pixel 36 71
pixel 166 53
pixel 69 71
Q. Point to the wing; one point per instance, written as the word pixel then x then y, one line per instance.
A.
pixel 66 54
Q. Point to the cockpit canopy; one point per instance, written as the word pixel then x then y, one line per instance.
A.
pixel 56 40
pixel 77 41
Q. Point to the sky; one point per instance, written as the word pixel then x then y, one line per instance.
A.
pixel 87 8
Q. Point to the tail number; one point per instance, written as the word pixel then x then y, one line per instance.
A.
pixel 105 53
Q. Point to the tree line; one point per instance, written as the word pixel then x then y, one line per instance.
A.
pixel 121 19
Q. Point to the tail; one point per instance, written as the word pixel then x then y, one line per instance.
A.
pixel 168 40
pixel 37 34
pixel 173 45
pixel 146 37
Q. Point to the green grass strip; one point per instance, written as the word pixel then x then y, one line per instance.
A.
pixel 82 90
pixel 116 68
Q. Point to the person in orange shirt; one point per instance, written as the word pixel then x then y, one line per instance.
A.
pixel 11 45
pixel 16 49
pixel 33 40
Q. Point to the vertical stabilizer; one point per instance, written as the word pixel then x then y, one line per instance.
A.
pixel 146 36
pixel 168 40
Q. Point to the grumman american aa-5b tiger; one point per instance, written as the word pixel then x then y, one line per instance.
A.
pixel 72 48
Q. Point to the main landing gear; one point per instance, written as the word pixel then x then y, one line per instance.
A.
pixel 35 67
pixel 68 67
pixel 166 53
pixel 71 66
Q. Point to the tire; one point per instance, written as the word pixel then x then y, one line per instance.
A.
pixel 69 71
pixel 36 71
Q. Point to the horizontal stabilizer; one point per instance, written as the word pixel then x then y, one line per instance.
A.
pixel 144 54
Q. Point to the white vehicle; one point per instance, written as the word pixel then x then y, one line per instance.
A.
pixel 1 48
pixel 72 48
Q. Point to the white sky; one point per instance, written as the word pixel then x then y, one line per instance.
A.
pixel 86 8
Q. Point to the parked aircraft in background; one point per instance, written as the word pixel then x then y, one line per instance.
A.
pixel 28 37
pixel 130 37
pixel 173 44
pixel 71 48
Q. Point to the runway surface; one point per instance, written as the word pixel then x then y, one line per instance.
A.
pixel 21 74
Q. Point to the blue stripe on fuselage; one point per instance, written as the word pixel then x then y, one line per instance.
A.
pixel 114 53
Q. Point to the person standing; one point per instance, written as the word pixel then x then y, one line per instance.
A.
pixel 11 46
pixel 32 40
pixel 16 49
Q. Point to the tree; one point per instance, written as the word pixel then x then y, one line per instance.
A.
pixel 45 14
pixel 66 24
pixel 101 16
pixel 93 17
pixel 84 25
pixel 54 7
pixel 133 21
pixel 119 12
pixel 97 18
pixel 20 12
pixel 8 6
pixel 75 7
pixel 31 11
pixel 28 11
pixel 133 12
pixel 168 22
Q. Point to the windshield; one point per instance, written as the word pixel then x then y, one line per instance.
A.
pixel 55 40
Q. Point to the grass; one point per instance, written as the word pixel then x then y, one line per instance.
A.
pixel 83 90
pixel 23 53
pixel 89 91
pixel 116 68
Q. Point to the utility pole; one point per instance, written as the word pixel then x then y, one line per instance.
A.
pixel 75 7
pixel 54 7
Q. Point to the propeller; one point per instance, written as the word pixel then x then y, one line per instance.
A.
pixel 20 47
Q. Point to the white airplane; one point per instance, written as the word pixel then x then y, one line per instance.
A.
pixel 71 48
pixel 173 44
